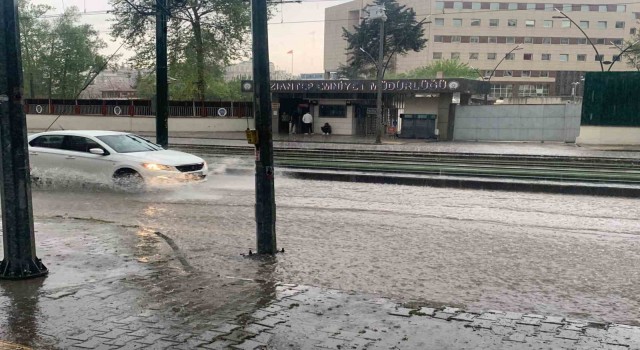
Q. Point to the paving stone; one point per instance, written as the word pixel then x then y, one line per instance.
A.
pixel 497 312
pixel 571 335
pixel 529 321
pixel 238 336
pixel 271 321
pixel 273 308
pixel 133 346
pixel 130 319
pixel 249 345
pixel 506 322
pixel 466 317
pixel 574 327
pixel 344 335
pixel 554 320
pixel 261 314
pixel 428 311
pixel 402 311
pixel 193 343
pixel 486 324
pixel 255 328
pixel 489 316
pixel 526 329
pixel 225 328
pixel 160 345
pixel 443 315
pixel 140 333
pixel 549 327
pixel 517 337
pixel 513 315
pixel 92 343
pixel 263 337
pixel 114 333
pixel 217 345
pixel 614 347
pixel 84 336
pixel 150 338
pixel 534 316
pixel 179 338
pixel 451 310
pixel 210 336
pixel 122 340
pixel 331 344
pixel 501 330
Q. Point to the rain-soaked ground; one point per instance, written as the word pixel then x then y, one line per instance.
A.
pixel 539 253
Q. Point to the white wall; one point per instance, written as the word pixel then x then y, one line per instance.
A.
pixel 609 135
pixel 517 123
pixel 37 122
pixel 339 126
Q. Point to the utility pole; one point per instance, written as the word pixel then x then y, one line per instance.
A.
pixel 265 191
pixel 162 82
pixel 20 261
pixel 378 12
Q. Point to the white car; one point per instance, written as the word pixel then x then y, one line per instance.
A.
pixel 126 159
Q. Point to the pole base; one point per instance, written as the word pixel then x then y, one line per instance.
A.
pixel 22 269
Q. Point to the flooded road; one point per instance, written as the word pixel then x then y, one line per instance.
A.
pixel 540 253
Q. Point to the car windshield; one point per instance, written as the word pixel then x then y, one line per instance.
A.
pixel 129 143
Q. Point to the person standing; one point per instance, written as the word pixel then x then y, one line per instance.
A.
pixel 307 120
pixel 295 121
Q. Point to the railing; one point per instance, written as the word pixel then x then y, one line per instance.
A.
pixel 131 108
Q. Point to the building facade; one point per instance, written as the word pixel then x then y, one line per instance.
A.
pixel 551 53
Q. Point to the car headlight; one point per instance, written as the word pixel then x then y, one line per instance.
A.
pixel 156 167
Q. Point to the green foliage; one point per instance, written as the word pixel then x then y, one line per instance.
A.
pixel 57 53
pixel 217 89
pixel 203 37
pixel 402 34
pixel 449 69
pixel 632 53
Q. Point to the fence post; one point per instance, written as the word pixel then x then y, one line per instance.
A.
pixel 132 109
pixel 77 108
pixel 104 107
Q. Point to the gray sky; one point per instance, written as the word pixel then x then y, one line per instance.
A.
pixel 305 39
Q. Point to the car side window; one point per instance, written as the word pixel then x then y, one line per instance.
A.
pixel 79 144
pixel 47 141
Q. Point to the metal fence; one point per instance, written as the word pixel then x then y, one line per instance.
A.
pixel 183 109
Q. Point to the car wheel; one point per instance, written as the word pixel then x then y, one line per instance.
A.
pixel 128 179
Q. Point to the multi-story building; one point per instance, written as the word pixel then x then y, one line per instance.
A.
pixel 551 52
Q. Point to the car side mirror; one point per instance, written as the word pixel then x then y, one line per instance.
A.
pixel 98 151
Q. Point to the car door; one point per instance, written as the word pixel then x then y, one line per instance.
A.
pixel 45 155
pixel 78 158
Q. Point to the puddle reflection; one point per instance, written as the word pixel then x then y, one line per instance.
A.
pixel 23 312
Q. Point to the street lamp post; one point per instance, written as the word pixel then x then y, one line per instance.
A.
pixel 516 48
pixel 564 15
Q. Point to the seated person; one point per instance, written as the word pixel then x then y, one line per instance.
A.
pixel 326 129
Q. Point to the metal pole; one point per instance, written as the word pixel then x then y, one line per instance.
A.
pixel 379 83
pixel 20 260
pixel 265 191
pixel 162 79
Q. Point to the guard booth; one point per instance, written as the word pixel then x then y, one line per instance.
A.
pixel 418 126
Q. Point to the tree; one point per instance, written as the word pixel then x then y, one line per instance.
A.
pixel 58 53
pixel 203 36
pixel 448 68
pixel 402 34
pixel 632 53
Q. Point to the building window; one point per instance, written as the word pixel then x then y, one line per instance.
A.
pixel 531 6
pixel 621 8
pixel 492 40
pixel 437 38
pixel 513 6
pixel 566 23
pixel 546 57
pixel 512 23
pixel 564 57
pixel 619 24
pixel 439 5
pixel 494 23
pixel 548 7
pixel 546 40
pixel 584 24
pixel 475 22
pixel 510 56
pixel 501 90
pixel 455 55
pixel 511 40
pixel 476 5
pixel 585 8
pixel 456 39
pixel 616 58
pixel 437 55
pixel 333 111
pixel 491 56
pixel 528 56
pixel 457 5
pixel 599 58
pixel 507 73
pixel 531 90
pixel 494 6
pixel 602 24
pixel 439 22
pixel 528 40
pixel 582 58
pixel 633 31
pixel 564 41
pixel 617 42
pixel 600 41
pixel 473 56
pixel 602 8
pixel 526 73
pixel 544 74
pixel 548 23
pixel 529 23
pixel 474 39
pixel 583 41
pixel 457 22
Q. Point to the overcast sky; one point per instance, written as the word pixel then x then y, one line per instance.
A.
pixel 305 39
